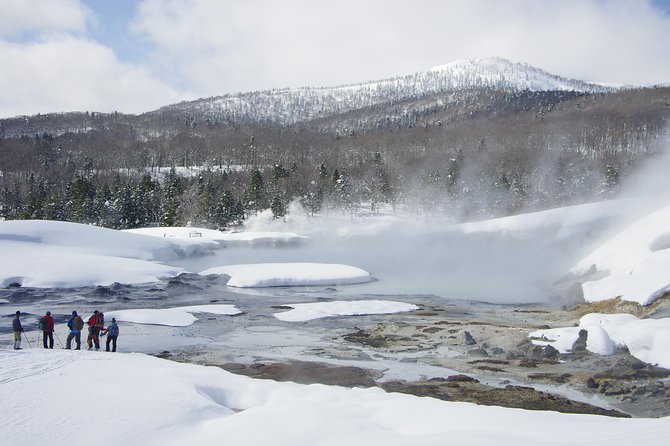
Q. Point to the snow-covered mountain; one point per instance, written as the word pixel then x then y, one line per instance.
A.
pixel 292 105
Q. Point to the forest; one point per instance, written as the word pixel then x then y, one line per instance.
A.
pixel 468 154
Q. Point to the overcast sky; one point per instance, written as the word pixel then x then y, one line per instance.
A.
pixel 135 56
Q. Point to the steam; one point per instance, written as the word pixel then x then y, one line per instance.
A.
pixel 514 260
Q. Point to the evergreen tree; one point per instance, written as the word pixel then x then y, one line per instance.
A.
pixel 278 208
pixel 80 195
pixel 34 208
pixel 170 208
pixel 255 197
pixel 226 211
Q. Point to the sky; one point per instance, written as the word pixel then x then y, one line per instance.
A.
pixel 135 56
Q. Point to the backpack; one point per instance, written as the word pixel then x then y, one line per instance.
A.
pixel 78 323
pixel 101 320
pixel 42 324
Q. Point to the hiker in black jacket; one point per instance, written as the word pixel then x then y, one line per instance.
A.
pixel 18 329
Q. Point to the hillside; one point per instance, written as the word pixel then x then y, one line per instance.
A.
pixel 472 139
pixel 290 106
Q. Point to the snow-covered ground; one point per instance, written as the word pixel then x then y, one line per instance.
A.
pixel 51 397
pixel 262 275
pixel 646 339
pixel 174 317
pixel 316 310
pixel 144 400
pixel 519 256
pixel 635 262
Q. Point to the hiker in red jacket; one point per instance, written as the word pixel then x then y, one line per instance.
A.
pixel 46 324
pixel 95 323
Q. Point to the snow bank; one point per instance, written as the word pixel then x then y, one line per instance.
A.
pixel 636 262
pixel 317 310
pixel 174 317
pixel 58 254
pixel 561 222
pixel 46 254
pixel 150 401
pixel 646 339
pixel 290 274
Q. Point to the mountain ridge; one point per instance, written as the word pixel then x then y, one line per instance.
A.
pixel 293 105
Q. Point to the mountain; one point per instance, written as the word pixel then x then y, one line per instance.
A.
pixel 472 139
pixel 290 106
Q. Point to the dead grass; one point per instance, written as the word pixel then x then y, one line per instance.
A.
pixel 617 305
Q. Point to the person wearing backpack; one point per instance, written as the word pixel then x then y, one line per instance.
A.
pixel 75 324
pixel 95 324
pixel 112 333
pixel 46 324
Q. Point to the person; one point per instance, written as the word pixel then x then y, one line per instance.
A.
pixel 95 323
pixel 112 333
pixel 47 327
pixel 75 324
pixel 18 329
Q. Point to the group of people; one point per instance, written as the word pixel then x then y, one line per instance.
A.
pixel 96 328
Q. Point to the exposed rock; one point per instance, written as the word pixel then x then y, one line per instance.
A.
pixel 477 352
pixel 469 340
pixel 530 363
pixel 510 396
pixel 559 378
pixel 614 391
pixel 550 352
pixel 497 351
pixel 308 373
pixel 580 344
pixel 591 383
pixel 461 378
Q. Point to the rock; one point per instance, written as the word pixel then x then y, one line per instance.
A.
pixel 604 386
pixel 530 363
pixel 549 352
pixel 14 285
pixel 461 379
pixel 591 383
pixel 640 390
pixel 580 344
pixel 469 340
pixel 540 352
pixel 511 355
pixel 477 352
pixel 667 393
pixel 615 391
pixel 497 351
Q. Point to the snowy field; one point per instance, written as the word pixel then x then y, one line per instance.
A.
pixel 145 400
pixel 289 273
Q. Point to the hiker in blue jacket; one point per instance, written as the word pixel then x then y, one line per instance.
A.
pixel 75 324
pixel 112 333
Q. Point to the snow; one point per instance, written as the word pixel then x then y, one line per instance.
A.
pixel 497 72
pixel 58 254
pixel 262 275
pixel 173 317
pixel 317 310
pixel 222 239
pixel 146 400
pixel 292 105
pixel 635 262
pixel 646 339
